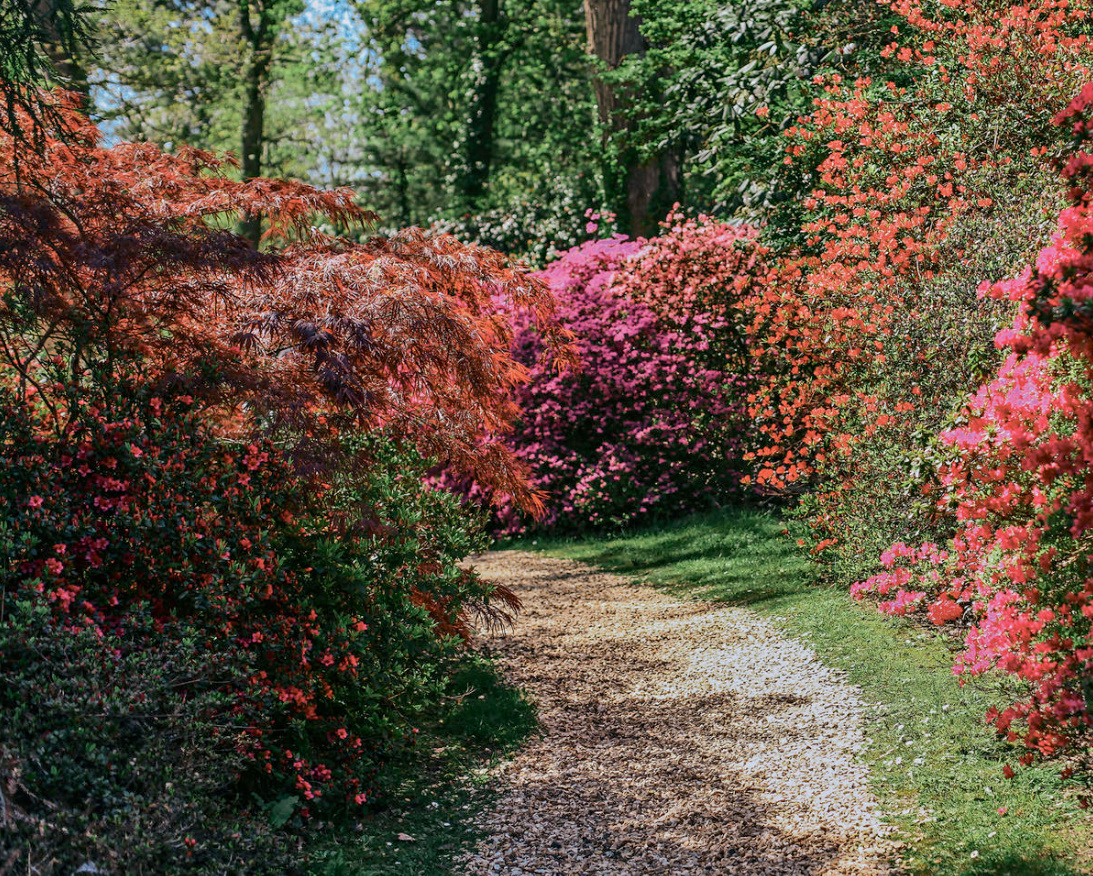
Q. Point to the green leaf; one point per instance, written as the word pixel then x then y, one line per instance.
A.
pixel 281 811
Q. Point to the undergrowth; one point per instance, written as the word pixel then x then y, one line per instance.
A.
pixel 428 821
pixel 935 765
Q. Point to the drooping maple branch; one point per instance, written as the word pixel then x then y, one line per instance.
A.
pixel 125 250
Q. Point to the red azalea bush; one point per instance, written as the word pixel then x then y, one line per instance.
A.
pixel 701 266
pixel 651 424
pixel 1019 482
pixel 300 655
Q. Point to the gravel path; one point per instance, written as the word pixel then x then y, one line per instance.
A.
pixel 679 738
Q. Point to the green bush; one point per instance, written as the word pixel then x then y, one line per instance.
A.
pixel 195 654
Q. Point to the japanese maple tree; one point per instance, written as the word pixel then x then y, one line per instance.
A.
pixel 122 257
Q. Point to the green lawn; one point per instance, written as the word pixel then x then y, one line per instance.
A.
pixel 936 766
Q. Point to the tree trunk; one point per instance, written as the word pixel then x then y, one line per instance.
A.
pixel 613 33
pixel 487 65
pixel 647 185
pixel 402 187
pixel 258 34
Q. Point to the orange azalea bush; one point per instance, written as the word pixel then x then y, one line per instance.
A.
pixel 1019 481
pixel 871 330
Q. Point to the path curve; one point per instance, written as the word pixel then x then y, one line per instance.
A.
pixel 679 738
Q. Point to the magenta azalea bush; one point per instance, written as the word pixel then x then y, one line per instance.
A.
pixel 645 427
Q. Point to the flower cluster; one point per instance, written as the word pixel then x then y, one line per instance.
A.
pixel 214 453
pixel 867 327
pixel 1019 484
pixel 652 422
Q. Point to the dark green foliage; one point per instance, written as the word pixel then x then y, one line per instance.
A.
pixel 114 756
pixel 433 153
pixel 480 720
pixel 36 36
pixel 39 40
pixel 487 712
pixel 721 81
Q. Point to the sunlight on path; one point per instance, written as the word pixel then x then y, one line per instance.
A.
pixel 678 738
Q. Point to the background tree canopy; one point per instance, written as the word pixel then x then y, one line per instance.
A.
pixel 489 118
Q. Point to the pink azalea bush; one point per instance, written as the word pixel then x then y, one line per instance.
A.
pixel 651 424
pixel 699 265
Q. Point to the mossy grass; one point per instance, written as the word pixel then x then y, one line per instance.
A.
pixel 936 766
pixel 443 783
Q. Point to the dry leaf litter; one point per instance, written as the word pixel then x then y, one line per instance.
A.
pixel 678 738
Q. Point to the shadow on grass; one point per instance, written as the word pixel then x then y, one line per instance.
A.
pixel 438 788
pixel 487 712
pixel 738 556
pixel 992 863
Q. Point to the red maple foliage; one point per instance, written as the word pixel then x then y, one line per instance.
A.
pixel 123 257
pixel 215 444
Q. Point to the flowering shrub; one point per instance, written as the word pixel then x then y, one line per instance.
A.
pixel 210 454
pixel 870 332
pixel 119 254
pixel 700 266
pixel 1018 482
pixel 651 424
pixel 303 654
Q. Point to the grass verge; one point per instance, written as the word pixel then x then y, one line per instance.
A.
pixel 429 821
pixel 936 766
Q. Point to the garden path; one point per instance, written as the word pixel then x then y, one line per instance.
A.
pixel 679 737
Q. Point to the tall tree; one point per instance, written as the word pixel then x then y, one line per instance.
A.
pixel 59 25
pixel 39 42
pixel 720 80
pixel 260 22
pixel 491 52
pixel 647 183
pixel 482 115
pixel 197 72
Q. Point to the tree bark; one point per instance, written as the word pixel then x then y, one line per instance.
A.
pixel 646 183
pixel 613 33
pixel 487 66
pixel 258 33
